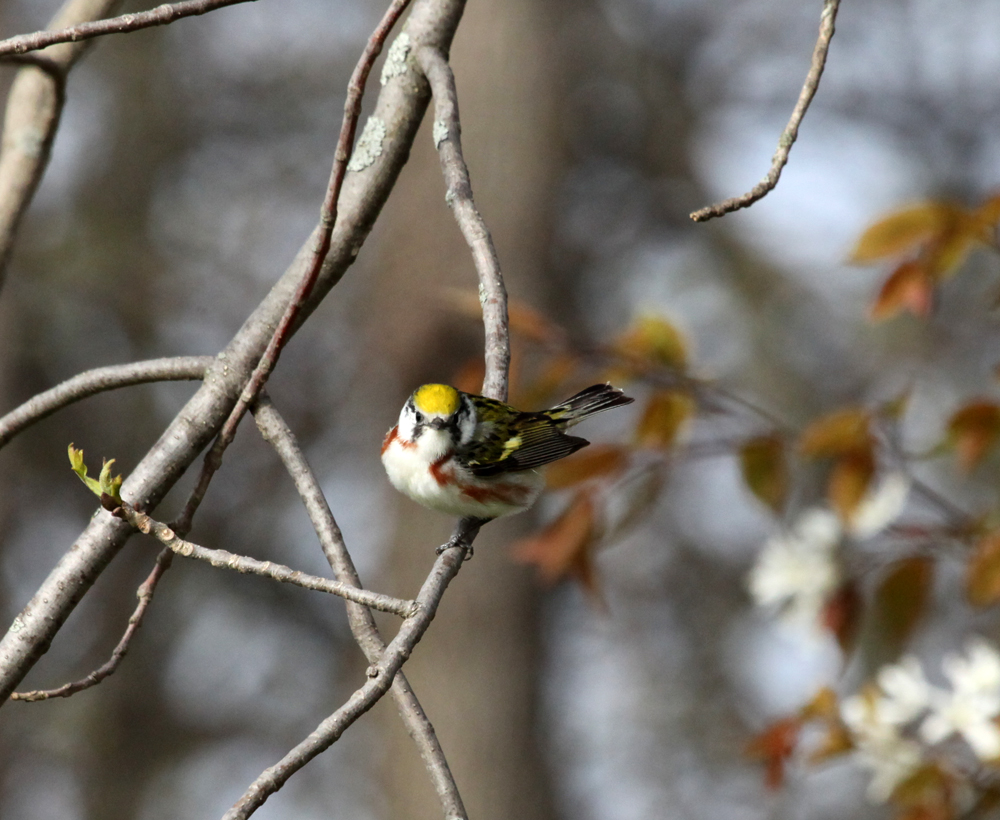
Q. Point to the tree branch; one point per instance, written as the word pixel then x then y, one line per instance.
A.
pixel 493 299
pixel 160 16
pixel 222 559
pixel 380 677
pixel 145 596
pixel 34 108
pixel 399 109
pixel 492 293
pixel 826 26
pixel 274 429
pixel 321 246
pixel 91 382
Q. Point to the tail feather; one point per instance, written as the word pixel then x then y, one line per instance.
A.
pixel 594 399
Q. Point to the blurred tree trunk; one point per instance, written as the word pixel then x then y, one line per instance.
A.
pixel 477 670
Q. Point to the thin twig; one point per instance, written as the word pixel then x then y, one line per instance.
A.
pixel 321 247
pixel 791 132
pixel 91 382
pixel 244 564
pixel 274 429
pixel 447 134
pixel 400 105
pixel 145 596
pixel 380 677
pixel 34 110
pixel 160 16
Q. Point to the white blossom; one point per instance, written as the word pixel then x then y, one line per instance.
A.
pixel 880 717
pixel 881 747
pixel 880 506
pixel 972 706
pixel 797 571
pixel 907 693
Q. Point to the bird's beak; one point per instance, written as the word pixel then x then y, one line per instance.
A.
pixel 439 424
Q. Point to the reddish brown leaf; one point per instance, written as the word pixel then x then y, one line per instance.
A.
pixel 974 430
pixel 849 480
pixel 909 287
pixel 837 434
pixel 904 231
pixel 983 579
pixel 765 470
pixel 548 386
pixel 469 377
pixel 901 599
pixel 842 614
pixel 665 414
pixel 775 745
pixel 533 325
pixel 563 548
pixel 596 461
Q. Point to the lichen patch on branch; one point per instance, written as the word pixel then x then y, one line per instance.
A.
pixel 369 147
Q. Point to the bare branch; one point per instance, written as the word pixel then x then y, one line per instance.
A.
pixel 222 559
pixel 274 429
pixel 321 246
pixel 447 133
pixel 145 596
pixel 400 107
pixel 160 16
pixel 788 136
pixel 380 677
pixel 34 108
pixel 91 382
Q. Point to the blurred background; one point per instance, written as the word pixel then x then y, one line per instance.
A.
pixel 189 168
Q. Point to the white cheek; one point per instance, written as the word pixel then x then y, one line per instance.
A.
pixel 407 425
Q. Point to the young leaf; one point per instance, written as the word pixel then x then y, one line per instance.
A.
pixel 837 434
pixel 835 742
pixel 661 421
pixel 765 470
pixel 849 480
pixel 653 340
pixel 945 253
pixel 110 485
pixel 842 614
pixel 903 231
pixel 78 467
pixel 973 430
pixel 901 599
pixel 825 705
pixel 988 214
pixel 982 582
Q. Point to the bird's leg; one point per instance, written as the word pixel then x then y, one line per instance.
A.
pixel 463 535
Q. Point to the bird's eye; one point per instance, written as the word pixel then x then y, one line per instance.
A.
pixel 420 417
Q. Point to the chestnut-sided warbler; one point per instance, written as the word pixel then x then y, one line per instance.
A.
pixel 468 455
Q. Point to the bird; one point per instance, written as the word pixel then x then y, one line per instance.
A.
pixel 471 456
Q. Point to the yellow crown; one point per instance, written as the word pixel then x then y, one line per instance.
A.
pixel 437 399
